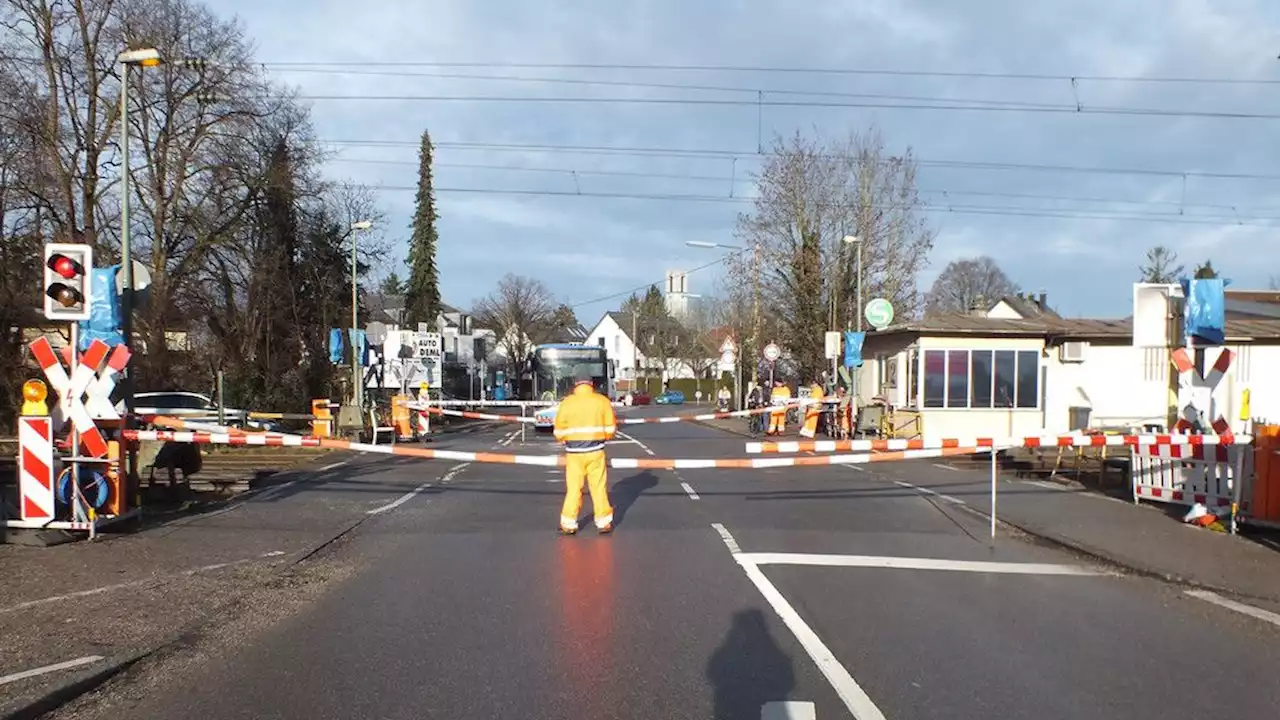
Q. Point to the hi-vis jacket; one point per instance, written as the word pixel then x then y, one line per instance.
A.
pixel 585 420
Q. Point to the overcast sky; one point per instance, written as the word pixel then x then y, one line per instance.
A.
pixel 586 248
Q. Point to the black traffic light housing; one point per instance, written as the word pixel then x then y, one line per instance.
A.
pixel 67 269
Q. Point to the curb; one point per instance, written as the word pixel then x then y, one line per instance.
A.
pixel 87 681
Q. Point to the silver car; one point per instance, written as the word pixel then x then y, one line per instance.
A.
pixel 194 407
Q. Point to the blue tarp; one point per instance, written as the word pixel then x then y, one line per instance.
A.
pixel 1205 316
pixel 104 310
pixel 853 349
pixel 336 349
pixel 360 344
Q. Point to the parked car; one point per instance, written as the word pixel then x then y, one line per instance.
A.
pixel 194 407
pixel 670 397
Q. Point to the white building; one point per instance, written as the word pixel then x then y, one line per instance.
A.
pixel 614 331
pixel 1020 369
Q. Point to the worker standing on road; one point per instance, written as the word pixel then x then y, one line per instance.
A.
pixel 585 421
pixel 812 412
pixel 780 396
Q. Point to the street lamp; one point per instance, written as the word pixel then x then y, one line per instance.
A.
pixel 356 378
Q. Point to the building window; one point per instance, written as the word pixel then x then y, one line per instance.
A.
pixel 981 379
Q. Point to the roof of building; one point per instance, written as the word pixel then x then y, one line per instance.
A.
pixel 967 324
pixel 1029 306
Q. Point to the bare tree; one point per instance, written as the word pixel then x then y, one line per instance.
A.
pixel 812 193
pixel 965 284
pixel 1162 266
pixel 1273 282
pixel 699 349
pixel 518 310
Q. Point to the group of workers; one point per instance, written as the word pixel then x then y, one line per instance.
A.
pixel 585 421
pixel 840 407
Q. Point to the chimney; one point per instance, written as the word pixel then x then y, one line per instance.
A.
pixel 979 306
pixel 1041 300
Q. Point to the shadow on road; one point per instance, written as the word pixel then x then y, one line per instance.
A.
pixel 626 491
pixel 748 669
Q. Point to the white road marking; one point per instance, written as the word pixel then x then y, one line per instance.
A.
pixel 133 583
pixel 688 489
pixel 927 491
pixel 852 694
pixel 331 466
pixel 274 491
pixel 453 471
pixel 1045 484
pixel 728 539
pixel 945 467
pixel 1251 611
pixel 788 710
pixel 34 672
pixel 856 467
pixel 909 563
pixel 509 437
pixel 642 445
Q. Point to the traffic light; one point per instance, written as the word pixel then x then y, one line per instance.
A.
pixel 66 281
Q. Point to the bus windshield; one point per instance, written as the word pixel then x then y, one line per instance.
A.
pixel 556 369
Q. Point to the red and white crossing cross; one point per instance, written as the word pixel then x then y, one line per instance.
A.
pixel 84 381
pixel 1196 390
pixel 35 468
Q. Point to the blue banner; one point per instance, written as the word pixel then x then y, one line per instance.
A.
pixel 336 350
pixel 853 349
pixel 1204 319
pixel 104 311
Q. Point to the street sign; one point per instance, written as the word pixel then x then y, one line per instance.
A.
pixel 772 352
pixel 728 345
pixel 832 342
pixel 428 344
pixel 879 313
pixel 728 358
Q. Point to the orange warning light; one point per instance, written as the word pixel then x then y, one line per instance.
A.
pixel 34 394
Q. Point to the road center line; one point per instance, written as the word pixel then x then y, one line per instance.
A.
pixel 453 471
pixel 949 498
pixel 35 672
pixel 910 563
pixel 642 445
pixel 727 538
pixel 945 467
pixel 331 466
pixel 788 710
pixel 1251 611
pixel 688 489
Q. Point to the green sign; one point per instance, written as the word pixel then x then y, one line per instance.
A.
pixel 879 313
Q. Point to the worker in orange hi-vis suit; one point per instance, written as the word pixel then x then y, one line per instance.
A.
pixel 585 421
pixel 812 412
pixel 781 395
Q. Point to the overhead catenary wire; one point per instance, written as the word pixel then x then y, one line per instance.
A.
pixel 646 286
pixel 712 153
pixel 748 180
pixel 812 70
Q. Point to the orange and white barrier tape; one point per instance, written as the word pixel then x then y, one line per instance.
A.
pixel 627 421
pixel 542 460
pixel 1061 441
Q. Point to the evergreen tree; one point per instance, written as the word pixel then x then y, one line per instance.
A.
pixel 422 294
pixel 1162 266
pixel 392 285
pixel 1206 271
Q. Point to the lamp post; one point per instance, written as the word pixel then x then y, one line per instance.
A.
pixel 755 304
pixel 145 57
pixel 356 380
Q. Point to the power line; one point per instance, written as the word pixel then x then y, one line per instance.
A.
pixel 655 67
pixel 754 91
pixel 693 153
pixel 942 104
pixel 746 179
pixel 957 209
pixel 646 286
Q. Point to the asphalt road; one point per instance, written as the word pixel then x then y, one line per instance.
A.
pixel 722 594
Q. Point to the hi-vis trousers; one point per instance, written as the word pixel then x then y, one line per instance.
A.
pixel 589 468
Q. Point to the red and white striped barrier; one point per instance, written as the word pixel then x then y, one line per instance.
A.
pixel 625 421
pixel 35 469
pixel 1182 475
pixel 541 460
pixel 1046 441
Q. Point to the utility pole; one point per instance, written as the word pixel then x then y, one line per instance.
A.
pixel 755 329
pixel 635 353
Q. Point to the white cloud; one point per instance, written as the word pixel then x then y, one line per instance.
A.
pixel 589 247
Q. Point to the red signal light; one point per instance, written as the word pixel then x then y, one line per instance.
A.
pixel 65 266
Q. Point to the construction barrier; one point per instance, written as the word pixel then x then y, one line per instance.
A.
pixel 1022 442
pixel 625 421
pixel 1189 474
pixel 542 460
